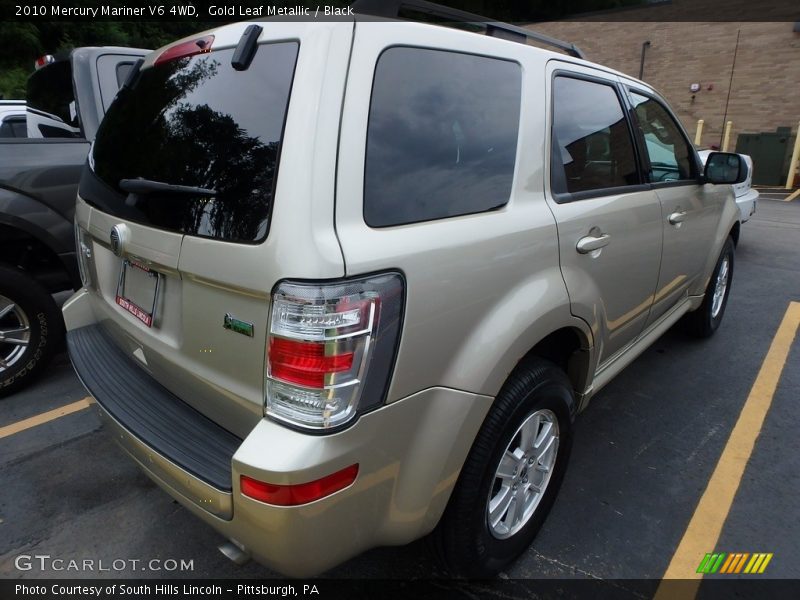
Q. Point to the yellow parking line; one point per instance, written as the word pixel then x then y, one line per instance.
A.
pixel 703 532
pixel 45 417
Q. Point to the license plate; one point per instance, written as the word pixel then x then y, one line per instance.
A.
pixel 137 291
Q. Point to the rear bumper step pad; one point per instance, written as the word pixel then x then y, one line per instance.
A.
pixel 149 411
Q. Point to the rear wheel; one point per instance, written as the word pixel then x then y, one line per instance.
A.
pixel 705 320
pixel 30 328
pixel 512 474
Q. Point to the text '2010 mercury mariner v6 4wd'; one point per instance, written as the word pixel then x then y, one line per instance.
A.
pixel 346 284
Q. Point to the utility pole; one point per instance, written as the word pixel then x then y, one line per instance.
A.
pixel 645 46
pixel 730 85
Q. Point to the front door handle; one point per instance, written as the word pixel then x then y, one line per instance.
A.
pixel 590 243
pixel 677 217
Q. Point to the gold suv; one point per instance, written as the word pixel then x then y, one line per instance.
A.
pixel 348 283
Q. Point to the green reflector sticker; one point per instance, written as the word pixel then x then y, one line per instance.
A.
pixel 237 325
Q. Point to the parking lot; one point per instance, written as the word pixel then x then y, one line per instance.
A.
pixel 645 452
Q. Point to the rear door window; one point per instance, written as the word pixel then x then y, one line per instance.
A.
pixel 442 135
pixel 199 123
pixel 592 144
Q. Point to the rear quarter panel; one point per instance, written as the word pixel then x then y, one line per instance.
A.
pixel 482 289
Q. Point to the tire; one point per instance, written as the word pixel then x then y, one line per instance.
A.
pixel 30 318
pixel 704 321
pixel 466 541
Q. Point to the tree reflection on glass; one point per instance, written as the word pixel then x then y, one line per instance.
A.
pixel 191 122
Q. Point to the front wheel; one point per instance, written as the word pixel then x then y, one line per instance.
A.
pixel 512 474
pixel 31 327
pixel 705 320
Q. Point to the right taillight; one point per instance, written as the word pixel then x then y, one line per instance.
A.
pixel 331 349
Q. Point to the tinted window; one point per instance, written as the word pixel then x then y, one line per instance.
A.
pixel 123 70
pixel 670 155
pixel 19 127
pixel 592 146
pixel 13 127
pixel 442 135
pixel 197 122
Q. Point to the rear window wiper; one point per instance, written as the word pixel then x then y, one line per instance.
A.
pixel 148 186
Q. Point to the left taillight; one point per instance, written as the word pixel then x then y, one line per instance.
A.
pixel 43 61
pixel 331 349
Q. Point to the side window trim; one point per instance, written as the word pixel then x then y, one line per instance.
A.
pixel 565 197
pixel 642 156
pixel 640 141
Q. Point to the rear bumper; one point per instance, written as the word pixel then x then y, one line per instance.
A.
pixel 409 454
pixel 152 424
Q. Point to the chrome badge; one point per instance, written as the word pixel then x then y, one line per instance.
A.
pixel 119 237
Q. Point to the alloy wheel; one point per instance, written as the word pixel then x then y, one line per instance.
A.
pixel 15 333
pixel 523 473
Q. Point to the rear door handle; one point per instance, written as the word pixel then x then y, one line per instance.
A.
pixel 677 217
pixel 590 243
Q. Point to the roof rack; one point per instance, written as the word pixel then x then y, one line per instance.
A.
pixel 506 31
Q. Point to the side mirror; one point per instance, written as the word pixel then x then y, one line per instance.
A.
pixel 725 167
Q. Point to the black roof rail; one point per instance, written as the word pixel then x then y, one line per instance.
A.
pixel 506 31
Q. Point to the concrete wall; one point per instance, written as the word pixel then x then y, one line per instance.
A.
pixel 765 92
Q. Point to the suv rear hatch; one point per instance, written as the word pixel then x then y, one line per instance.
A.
pixel 186 237
pixel 52 111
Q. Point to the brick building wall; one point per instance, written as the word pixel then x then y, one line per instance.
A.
pixel 765 90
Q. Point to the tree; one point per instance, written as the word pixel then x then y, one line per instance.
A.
pixel 23 42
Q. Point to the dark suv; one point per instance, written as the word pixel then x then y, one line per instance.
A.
pixel 43 147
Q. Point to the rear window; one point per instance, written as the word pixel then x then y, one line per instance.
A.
pixel 199 123
pixel 442 135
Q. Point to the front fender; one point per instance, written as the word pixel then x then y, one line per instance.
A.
pixel 728 220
